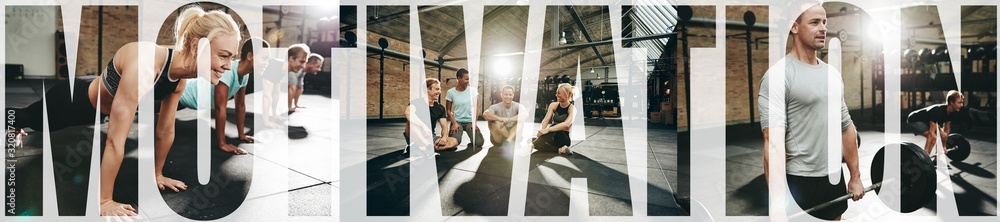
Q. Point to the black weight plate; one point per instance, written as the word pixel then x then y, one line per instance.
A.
pixel 917 172
pixel 961 145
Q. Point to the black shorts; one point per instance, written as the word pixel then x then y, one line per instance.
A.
pixel 276 71
pixel 811 191
pixel 918 127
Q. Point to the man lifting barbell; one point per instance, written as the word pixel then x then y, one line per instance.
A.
pixel 917 179
pixel 935 120
pixel 801 111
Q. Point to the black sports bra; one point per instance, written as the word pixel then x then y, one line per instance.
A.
pixel 161 89
pixel 560 114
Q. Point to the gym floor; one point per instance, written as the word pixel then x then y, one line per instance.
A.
pixel 310 181
pixel 477 181
pixel 973 180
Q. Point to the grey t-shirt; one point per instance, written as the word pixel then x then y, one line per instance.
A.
pixel 504 112
pixel 804 100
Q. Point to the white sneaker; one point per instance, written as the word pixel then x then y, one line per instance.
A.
pixel 566 151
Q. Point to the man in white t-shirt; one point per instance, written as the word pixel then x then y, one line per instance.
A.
pixel 800 114
pixel 503 117
pixel 313 64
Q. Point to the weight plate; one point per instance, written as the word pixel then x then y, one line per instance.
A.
pixel 917 176
pixel 961 145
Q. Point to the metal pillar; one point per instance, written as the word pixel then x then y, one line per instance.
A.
pixel 684 138
pixel 749 18
pixel 382 42
pixel 440 64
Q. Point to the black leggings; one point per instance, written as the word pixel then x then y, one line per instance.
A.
pixel 552 141
pixel 62 111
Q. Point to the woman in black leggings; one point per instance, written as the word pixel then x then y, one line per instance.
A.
pixel 555 137
pixel 119 89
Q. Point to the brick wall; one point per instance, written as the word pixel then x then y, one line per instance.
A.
pixel 699 36
pixel 397 78
pixel 857 61
pixel 738 105
pixel 856 69
pixel 120 27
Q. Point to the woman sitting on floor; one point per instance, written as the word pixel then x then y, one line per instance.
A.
pixel 555 137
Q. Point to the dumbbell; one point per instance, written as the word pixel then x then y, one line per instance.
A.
pixel 941 54
pixel 992 54
pixel 925 56
pixel 909 57
pixel 977 52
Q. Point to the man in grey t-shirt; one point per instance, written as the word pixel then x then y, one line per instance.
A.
pixel 800 113
pixel 503 117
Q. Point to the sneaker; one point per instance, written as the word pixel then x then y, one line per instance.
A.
pixel 19 135
pixel 566 151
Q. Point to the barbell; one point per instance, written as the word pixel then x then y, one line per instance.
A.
pixel 916 174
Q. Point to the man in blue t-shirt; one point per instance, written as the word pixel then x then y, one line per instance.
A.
pixel 461 102
pixel 232 84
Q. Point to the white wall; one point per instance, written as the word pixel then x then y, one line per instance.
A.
pixel 31 39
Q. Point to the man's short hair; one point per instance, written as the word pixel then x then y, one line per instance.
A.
pixel 431 81
pixel 298 49
pixel 505 87
pixel 802 5
pixel 795 15
pixel 954 95
pixel 315 57
pixel 461 72
pixel 248 46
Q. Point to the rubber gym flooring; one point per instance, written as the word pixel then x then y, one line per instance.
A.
pixel 472 181
pixel 974 179
pixel 477 181
pixel 310 182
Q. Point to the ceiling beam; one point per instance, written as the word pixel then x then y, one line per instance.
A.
pixel 390 17
pixel 583 29
pixel 585 17
pixel 582 63
pixel 444 51
pixel 454 41
pixel 553 59
pixel 973 9
pixel 582 45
